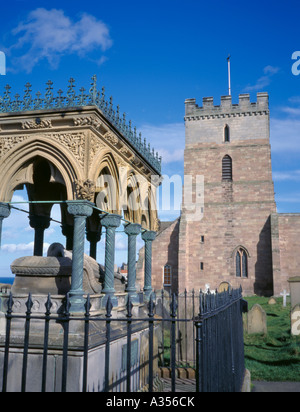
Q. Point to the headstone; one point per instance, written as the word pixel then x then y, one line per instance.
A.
pixel 223 287
pixel 285 295
pixel 272 301
pixel 295 321
pixel 295 290
pixel 257 321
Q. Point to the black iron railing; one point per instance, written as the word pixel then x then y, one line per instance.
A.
pixel 217 342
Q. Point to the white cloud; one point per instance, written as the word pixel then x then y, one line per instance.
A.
pixel 271 70
pixel 168 140
pixel 290 198
pixel 50 34
pixel 293 175
pixel 14 248
pixel 285 135
pixel 263 81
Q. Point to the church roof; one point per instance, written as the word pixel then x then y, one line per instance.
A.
pixel 72 100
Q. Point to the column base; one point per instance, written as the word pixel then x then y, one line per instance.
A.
pixel 147 294
pixel 77 301
pixel 133 296
pixel 113 299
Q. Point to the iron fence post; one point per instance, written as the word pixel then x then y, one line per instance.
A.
pixel 29 305
pixel 7 341
pixel 86 344
pixel 109 307
pixel 151 336
pixel 173 309
pixel 66 324
pixel 199 361
pixel 129 332
pixel 48 306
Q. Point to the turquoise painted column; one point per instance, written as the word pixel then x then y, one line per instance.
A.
pixel 80 209
pixel 148 237
pixel 132 230
pixel 39 224
pixel 110 222
pixel 4 213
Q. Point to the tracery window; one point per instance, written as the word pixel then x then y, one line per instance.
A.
pixel 241 263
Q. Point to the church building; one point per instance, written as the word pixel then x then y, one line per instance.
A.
pixel 237 237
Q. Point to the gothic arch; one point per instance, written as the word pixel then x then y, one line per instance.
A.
pixel 106 176
pixel 131 203
pixel 241 262
pixel 240 247
pixel 17 165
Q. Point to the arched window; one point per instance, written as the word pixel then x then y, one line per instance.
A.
pixel 241 263
pixel 227 168
pixel 226 133
pixel 167 275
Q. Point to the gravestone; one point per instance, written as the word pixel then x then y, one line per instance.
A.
pixel 295 321
pixel 257 321
pixel 285 295
pixel 224 287
pixel 272 301
pixel 295 290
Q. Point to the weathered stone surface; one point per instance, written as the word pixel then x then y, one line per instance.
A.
pixel 257 321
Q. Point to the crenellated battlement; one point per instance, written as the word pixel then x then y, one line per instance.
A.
pixel 227 108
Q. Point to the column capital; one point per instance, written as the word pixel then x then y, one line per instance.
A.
pixel 133 229
pixel 93 236
pixel 110 220
pixel 80 208
pixel 148 236
pixel 4 210
pixel 39 222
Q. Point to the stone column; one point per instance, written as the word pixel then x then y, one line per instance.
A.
pixel 4 213
pixel 68 232
pixel 93 238
pixel 148 237
pixel 80 210
pixel 132 230
pixel 110 222
pixel 39 224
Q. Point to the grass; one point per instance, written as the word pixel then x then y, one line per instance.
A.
pixel 275 356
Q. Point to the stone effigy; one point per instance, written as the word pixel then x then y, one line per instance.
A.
pixel 52 274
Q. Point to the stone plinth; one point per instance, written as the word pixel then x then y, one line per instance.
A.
pixel 51 275
pixel 295 290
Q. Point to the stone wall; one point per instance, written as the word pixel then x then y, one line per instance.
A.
pixel 164 252
pixel 286 240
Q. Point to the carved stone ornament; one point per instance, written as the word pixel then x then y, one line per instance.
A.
pixel 87 121
pixel 9 142
pixel 85 190
pixel 37 124
pixel 74 142
pixel 111 138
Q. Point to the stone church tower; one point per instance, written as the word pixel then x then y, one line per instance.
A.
pixel 230 146
pixel 236 236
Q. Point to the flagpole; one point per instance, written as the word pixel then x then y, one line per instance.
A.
pixel 229 79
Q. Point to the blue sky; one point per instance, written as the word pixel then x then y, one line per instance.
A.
pixel 151 56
